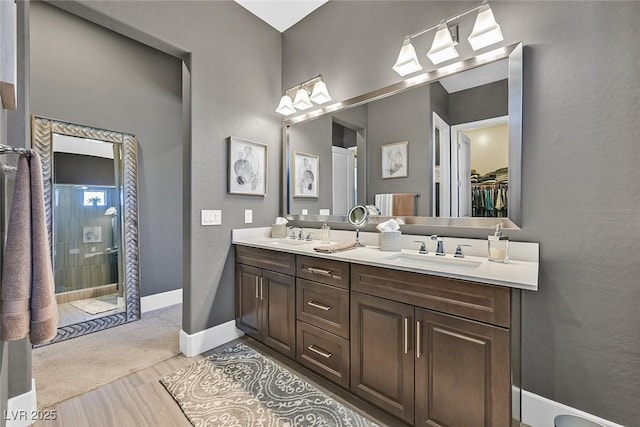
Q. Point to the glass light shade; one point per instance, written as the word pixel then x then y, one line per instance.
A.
pixel 320 93
pixel 302 101
pixel 286 106
pixel 442 48
pixel 407 62
pixel 111 211
pixel 486 30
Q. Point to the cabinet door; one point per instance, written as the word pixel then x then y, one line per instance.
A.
pixel 462 372
pixel 248 303
pixel 278 293
pixel 382 354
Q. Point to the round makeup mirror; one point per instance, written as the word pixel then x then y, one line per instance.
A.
pixel 358 217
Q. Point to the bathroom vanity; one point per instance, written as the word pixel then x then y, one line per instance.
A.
pixel 434 341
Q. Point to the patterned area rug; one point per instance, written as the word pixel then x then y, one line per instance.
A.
pixel 239 387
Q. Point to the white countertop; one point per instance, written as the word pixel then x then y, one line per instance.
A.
pixel 521 272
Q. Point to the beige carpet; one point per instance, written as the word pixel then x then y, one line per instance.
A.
pixel 69 368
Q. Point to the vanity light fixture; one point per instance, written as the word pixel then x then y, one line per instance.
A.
pixel 306 94
pixel 442 48
pixel 486 32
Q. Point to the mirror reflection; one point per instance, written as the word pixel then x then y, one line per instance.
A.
pixel 86 228
pixel 453 134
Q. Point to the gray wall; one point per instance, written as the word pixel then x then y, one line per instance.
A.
pixel 479 103
pixel 235 64
pixel 401 117
pixel 85 74
pixel 580 171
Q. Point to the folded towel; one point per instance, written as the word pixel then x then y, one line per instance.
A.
pixel 44 309
pixel 335 247
pixel 16 268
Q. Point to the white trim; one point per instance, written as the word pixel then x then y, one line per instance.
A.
pixel 444 130
pixel 192 345
pixel 22 410
pixel 161 300
pixel 538 411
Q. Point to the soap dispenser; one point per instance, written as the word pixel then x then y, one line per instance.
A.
pixel 325 233
pixel 498 246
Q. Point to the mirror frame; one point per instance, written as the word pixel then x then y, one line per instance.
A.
pixel 42 130
pixel 514 221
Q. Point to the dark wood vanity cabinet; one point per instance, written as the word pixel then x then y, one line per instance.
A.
pixel 424 366
pixel 265 299
pixel 322 295
pixel 431 351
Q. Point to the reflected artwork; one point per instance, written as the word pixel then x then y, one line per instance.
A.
pixel 394 160
pixel 305 182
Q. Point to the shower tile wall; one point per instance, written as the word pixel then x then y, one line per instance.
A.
pixel 75 266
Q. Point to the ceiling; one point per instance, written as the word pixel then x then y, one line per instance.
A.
pixel 281 14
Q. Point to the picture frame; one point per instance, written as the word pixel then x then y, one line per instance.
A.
pixel 247 167
pixel 395 160
pixel 92 234
pixel 305 175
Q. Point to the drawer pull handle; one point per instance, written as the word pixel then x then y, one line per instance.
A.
pixel 319 305
pixel 319 351
pixel 319 271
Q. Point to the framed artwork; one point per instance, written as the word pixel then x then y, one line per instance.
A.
pixel 305 175
pixel 395 160
pixel 92 234
pixel 247 167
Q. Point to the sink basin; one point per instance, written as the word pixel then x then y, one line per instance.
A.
pixel 434 261
pixel 287 242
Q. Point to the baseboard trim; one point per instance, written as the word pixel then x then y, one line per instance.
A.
pixel 538 411
pixel 192 345
pixel 161 300
pixel 22 410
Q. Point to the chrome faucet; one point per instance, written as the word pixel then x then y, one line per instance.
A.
pixel 459 253
pixel 300 237
pixel 439 246
pixel 423 247
pixel 292 236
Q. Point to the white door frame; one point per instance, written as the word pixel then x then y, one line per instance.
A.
pixel 443 128
pixel 479 124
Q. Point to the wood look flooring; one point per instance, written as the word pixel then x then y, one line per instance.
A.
pixel 139 399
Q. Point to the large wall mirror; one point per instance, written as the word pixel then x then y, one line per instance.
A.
pixel 442 148
pixel 90 183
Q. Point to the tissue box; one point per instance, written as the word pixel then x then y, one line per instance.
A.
pixel 391 241
pixel 279 230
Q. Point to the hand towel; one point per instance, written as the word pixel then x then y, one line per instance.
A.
pixel 335 247
pixel 16 268
pixel 404 204
pixel 44 309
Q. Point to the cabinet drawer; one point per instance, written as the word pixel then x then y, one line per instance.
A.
pixel 323 306
pixel 323 353
pixel 281 262
pixel 330 272
pixel 485 303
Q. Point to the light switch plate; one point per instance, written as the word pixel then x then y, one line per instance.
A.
pixel 325 211
pixel 210 217
pixel 305 212
pixel 248 216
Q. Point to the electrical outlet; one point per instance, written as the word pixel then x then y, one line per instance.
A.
pixel 325 211
pixel 305 212
pixel 248 216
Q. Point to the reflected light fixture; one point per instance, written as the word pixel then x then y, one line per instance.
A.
pixel 110 211
pixel 486 32
pixel 304 96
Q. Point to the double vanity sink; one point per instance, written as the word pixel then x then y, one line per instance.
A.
pixel 413 334
pixel 521 271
